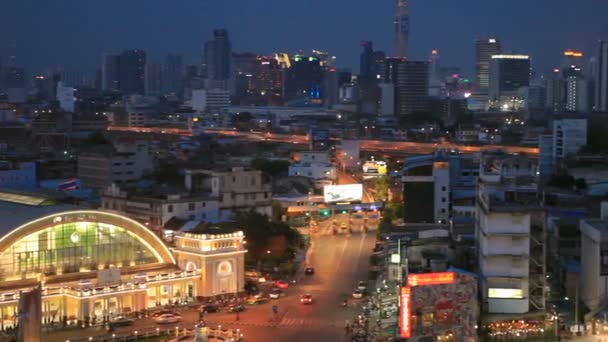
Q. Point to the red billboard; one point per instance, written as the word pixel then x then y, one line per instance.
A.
pixel 405 312
pixel 423 279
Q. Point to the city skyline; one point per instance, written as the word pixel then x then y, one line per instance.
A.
pixel 444 25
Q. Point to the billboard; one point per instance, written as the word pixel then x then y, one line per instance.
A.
pixel 405 312
pixel 423 279
pixel 505 293
pixel 343 193
pixel 374 169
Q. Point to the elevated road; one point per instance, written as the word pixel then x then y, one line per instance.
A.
pixel 366 145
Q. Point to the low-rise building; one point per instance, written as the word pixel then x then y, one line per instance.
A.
pixel 594 260
pixel 238 189
pixel 121 163
pixel 155 209
pixel 15 175
pixel 315 171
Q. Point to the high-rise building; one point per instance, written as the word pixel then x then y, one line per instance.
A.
pixel 577 98
pixel 331 87
pixel 267 77
pixel 402 28
pixel 173 74
pixel 366 60
pixel 154 79
pixel 601 78
pixel 569 135
pixel 509 73
pixel 434 74
pixel 485 48
pixel 110 71
pixel 217 56
pixel 132 66
pixel 303 80
pixel 411 87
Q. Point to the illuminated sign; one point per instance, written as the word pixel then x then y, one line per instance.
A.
pixel 510 57
pixel 343 193
pixel 571 53
pixel 505 293
pixel 423 279
pixel 375 168
pixel 405 324
pixel 395 258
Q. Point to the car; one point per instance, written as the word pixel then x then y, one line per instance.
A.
pixel 168 319
pixel 121 321
pixel 357 294
pixel 281 284
pixel 358 217
pixel 343 225
pixel 261 279
pixel 362 286
pixel 275 294
pixel 309 271
pixel 257 301
pixel 236 308
pixel 209 308
pixel 306 299
pixel 162 312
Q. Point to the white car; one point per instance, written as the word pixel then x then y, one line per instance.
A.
pixel 357 294
pixel 167 319
pixel 275 294
pixel 261 280
pixel 362 286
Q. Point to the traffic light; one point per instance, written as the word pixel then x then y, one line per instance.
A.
pixel 307 214
pixel 325 212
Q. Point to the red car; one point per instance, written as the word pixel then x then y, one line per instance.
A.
pixel 306 299
pixel 281 284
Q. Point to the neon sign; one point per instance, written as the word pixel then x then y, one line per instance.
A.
pixel 405 325
pixel 423 279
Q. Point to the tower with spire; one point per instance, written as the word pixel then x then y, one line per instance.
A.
pixel 402 28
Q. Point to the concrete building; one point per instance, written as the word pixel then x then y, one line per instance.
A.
pixel 217 57
pixel 156 209
pixel 546 158
pixel 65 96
pixel 601 78
pixel 15 175
pixel 594 260
pixel 569 135
pixel 411 87
pixel 509 79
pixel 132 65
pixel 387 99
pixel 314 157
pixel 577 94
pixel 426 191
pixel 154 80
pixel 210 100
pixel 123 164
pixel 314 171
pixel 510 231
pixel 238 189
pixel 485 48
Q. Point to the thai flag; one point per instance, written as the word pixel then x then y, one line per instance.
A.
pixel 71 184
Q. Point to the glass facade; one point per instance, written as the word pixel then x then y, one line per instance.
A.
pixel 73 247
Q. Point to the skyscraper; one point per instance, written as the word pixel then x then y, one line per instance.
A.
pixel 485 48
pixel 154 80
pixel 366 59
pixel 402 28
pixel 601 78
pixel 434 74
pixel 303 80
pixel 132 65
pixel 508 74
pixel 173 74
pixel 411 87
pixel 110 73
pixel 217 56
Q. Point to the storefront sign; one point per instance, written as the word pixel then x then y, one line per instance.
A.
pixel 405 312
pixel 423 279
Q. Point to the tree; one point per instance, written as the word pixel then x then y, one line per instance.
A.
pixel 272 167
pixel 564 181
pixel 418 118
pixel 580 183
pixel 381 186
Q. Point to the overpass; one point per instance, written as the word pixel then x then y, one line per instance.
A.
pixel 365 145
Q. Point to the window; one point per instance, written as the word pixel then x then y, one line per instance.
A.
pixel 443 210
pixel 265 195
pixel 443 188
pixel 191 206
pixel 442 199
pixel 204 204
pixel 233 179
pixel 170 208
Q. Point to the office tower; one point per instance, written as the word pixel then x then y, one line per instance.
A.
pixel 217 57
pixel 65 96
pixel 573 58
pixel 379 65
pixel 569 135
pixel 402 28
pixel 411 87
pixel 485 48
pixel 387 99
pixel 324 58
pixel 601 78
pixel 434 74
pixel 14 82
pixel 132 65
pixel 556 100
pixel 366 59
pixel 577 98
pixel 267 77
pixel 509 73
pixel 154 80
pixel 110 71
pixel 331 87
pixel 173 74
pixel 303 80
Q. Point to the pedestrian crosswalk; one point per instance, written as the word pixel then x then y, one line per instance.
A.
pixel 302 322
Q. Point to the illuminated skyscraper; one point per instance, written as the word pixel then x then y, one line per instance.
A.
pixel 402 28
pixel 484 49
pixel 601 78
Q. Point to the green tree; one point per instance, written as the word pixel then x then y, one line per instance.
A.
pixel 564 181
pixel 381 186
pixel 272 167
pixel 580 183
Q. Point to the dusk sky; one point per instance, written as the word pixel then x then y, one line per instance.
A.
pixel 73 34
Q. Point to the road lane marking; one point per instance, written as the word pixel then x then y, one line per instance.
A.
pixel 341 254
